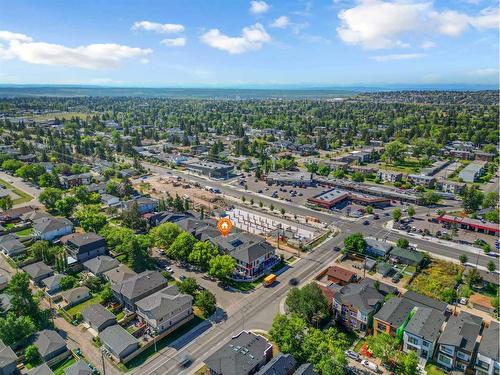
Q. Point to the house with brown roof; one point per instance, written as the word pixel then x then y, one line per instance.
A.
pixel 341 276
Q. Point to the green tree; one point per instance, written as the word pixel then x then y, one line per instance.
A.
pixel 16 328
pixel 22 300
pixel 355 243
pixel 181 247
pixel 132 219
pixel 491 266
pixel 403 243
pixel 394 152
pixel 136 249
pixel 472 198
pixel 115 236
pixel 396 214
pixel 490 199
pixel 90 218
pixel 31 355
pixel 65 206
pixel 369 210
pixel 288 332
pixel 188 286
pixel 164 234
pixel 309 303
pixel 49 196
pixel 6 203
pixel 407 363
pixel 206 302
pixel 411 211
pixel 82 194
pixel 383 346
pixel 463 258
pixel 203 252
pixel 222 267
pixel 358 177
pixel 492 216
pixel 68 282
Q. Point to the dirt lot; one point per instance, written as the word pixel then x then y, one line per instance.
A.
pixel 158 187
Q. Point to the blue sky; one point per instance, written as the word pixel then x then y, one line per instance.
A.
pixel 233 42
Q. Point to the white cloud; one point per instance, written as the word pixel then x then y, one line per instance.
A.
pixel 252 38
pixel 280 22
pixel 427 44
pixel 174 42
pixel 377 24
pixel 485 72
pixel 161 28
pixel 259 7
pixel 395 57
pixel 92 56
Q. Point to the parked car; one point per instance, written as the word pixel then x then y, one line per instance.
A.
pixel 182 277
pixel 293 281
pixel 369 365
pixel 185 360
pixel 366 222
pixel 336 248
pixel 352 354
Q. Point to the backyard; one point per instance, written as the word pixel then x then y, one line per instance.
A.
pixel 61 366
pixel 78 308
pixel 437 280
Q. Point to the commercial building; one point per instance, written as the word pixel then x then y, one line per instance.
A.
pixel 210 169
pixel 331 198
pixel 470 224
pixel 293 178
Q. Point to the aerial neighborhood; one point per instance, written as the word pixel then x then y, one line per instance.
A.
pixel 238 237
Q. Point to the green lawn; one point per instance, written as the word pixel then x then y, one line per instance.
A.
pixel 120 315
pixel 432 369
pixel 25 232
pixel 23 197
pixel 61 366
pixel 78 308
pixel 141 358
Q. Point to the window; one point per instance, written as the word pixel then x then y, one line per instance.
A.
pixel 446 349
pixel 381 327
pixel 426 343
pixel 444 360
pixel 482 364
pixel 463 356
pixel 412 340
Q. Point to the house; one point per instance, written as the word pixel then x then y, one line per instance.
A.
pixel 34 215
pixel 164 309
pixel 15 213
pixel 101 264
pixel 472 171
pixel 158 218
pixel 84 246
pixel 483 156
pixel 488 353
pixel 38 271
pixel 78 368
pixel 457 343
pixel 76 295
pixel 281 364
pixel 118 341
pixel 138 287
pixel 243 354
pixel 109 200
pixel 424 301
pixel 393 317
pixel 144 205
pixel 422 331
pixel 339 275
pixel 43 369
pixel 76 180
pixel 4 281
pixel 305 369
pixel 97 188
pixel 8 360
pixel 487 278
pixel 254 256
pixel 50 228
pixel 119 274
pixel 389 176
pixel 383 288
pixel 11 246
pixel 52 284
pixel 355 304
pixel 98 317
pixel 50 344
pixel 210 169
pixel 406 256
pixel 376 248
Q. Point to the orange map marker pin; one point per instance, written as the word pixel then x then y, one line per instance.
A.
pixel 224 225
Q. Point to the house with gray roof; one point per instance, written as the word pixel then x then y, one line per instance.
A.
pixel 406 256
pixel 282 364
pixel 119 274
pixel 78 368
pixel 76 295
pixel 50 344
pixel 43 369
pixel 52 284
pixel 101 264
pixel 393 317
pixel 8 360
pixel 377 248
pixel 243 354
pixel 422 300
pixel 164 309
pixel 38 271
pixel 355 304
pixel 422 331
pixel 11 246
pixel 118 341
pixel 488 353
pixel 50 228
pixel 305 369
pixel 458 342
pixel 138 287
pixel 98 317
pixel 84 246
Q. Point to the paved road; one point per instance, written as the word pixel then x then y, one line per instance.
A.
pixel 18 183
pixel 375 229
pixel 254 311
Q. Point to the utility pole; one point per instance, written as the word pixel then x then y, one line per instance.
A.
pixel 103 363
